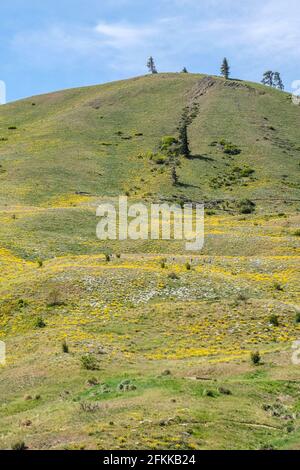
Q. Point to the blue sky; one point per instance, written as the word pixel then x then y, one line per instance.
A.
pixel 46 45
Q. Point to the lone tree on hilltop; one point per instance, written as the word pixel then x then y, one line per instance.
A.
pixel 278 83
pixel 268 78
pixel 225 69
pixel 184 70
pixel 151 65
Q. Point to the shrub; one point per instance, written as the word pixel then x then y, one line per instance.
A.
pixel 245 172
pixel 54 298
pixel 107 257
pixel 173 276
pixel 255 358
pixel 297 233
pixel 92 382
pixel 188 266
pixel 246 206
pixel 40 323
pixel 209 393
pixel 160 159
pixel 278 286
pixel 65 347
pixel 88 407
pixel 229 148
pixel 274 320
pixel 224 391
pixel 242 297
pixel 20 445
pixel 126 386
pixel 39 262
pixel 22 303
pixel 297 317
pixel 163 264
pixel 89 362
pixel 167 142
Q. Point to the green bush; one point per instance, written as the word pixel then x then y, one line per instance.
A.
pixel 22 303
pixel 40 323
pixel 274 320
pixel 278 286
pixel 246 206
pixel 20 445
pixel 65 347
pixel 173 276
pixel 89 362
pixel 160 159
pixel 209 393
pixel 229 148
pixel 126 386
pixel 167 141
pixel 245 172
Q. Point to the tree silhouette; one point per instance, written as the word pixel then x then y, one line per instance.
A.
pixel 184 148
pixel 225 69
pixel 268 77
pixel 151 65
pixel 278 83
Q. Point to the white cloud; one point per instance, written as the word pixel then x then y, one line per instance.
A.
pixel 258 32
pixel 119 35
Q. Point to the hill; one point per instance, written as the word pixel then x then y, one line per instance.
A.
pixel 92 139
pixel 62 153
pixel 140 344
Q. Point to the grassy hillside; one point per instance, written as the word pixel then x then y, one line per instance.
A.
pixel 68 142
pixel 150 348
pixel 62 153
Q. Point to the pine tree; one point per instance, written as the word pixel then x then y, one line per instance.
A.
pixel 277 82
pixel 151 65
pixel 184 70
pixel 183 138
pixel 268 78
pixel 225 69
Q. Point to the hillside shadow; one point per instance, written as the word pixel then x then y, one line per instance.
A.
pixel 203 158
pixel 186 185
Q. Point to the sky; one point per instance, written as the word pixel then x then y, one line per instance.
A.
pixel 48 45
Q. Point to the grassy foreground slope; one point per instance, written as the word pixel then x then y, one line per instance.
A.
pixel 166 347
